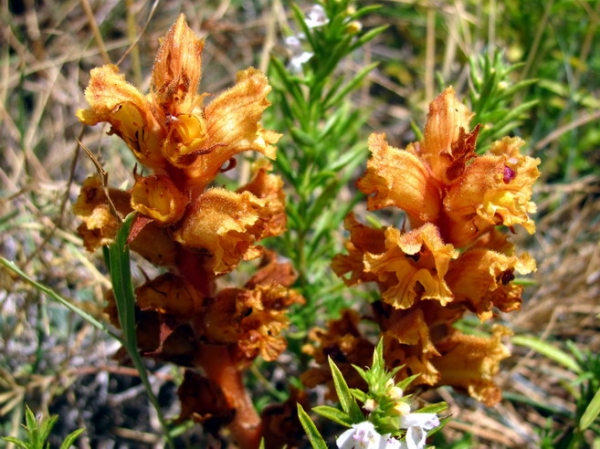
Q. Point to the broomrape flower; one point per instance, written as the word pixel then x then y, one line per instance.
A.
pixel 170 127
pixel 448 258
pixel 187 144
pixel 195 232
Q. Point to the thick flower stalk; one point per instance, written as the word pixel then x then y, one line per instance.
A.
pixel 448 258
pixel 196 232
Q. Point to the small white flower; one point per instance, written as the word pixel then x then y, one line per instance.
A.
pixel 359 436
pixel 296 62
pixel 294 44
pixel 298 56
pixel 316 17
pixel 417 425
pixel 364 436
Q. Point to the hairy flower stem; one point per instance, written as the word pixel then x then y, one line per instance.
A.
pixel 219 367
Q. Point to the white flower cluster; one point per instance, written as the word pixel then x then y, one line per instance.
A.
pixel 365 436
pixel 315 17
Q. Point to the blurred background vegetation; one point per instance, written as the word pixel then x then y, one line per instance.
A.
pixel 58 363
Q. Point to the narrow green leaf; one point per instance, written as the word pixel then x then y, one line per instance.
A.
pixel 347 402
pixel 56 297
pixel 364 11
pixel 302 137
pixel 406 382
pixel 486 94
pixel 359 395
pixel 353 84
pixel 434 408
pixel 512 90
pixel 333 414
pixel 315 438
pixel 18 442
pixel 325 198
pixel 71 439
pixel 46 427
pixel 290 83
pixel 30 421
pixel 369 35
pixel 332 91
pixel 591 412
pixel 548 350
pixel 300 20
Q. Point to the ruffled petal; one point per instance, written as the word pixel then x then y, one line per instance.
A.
pixel 494 190
pixel 225 224
pixel 413 266
pixel 232 126
pixel 470 363
pixel 399 178
pixel 482 279
pixel 100 225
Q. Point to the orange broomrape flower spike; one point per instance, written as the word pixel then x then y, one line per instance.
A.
pixel 452 259
pixel 196 232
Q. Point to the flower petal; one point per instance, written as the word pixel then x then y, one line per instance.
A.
pixel 447 118
pixel 232 126
pixel 226 224
pixel 129 113
pixel 399 178
pixel 177 70
pixel 482 278
pixel 494 190
pixel 425 421
pixel 100 225
pixel 470 363
pixel 413 266
pixel 157 197
pixel 169 294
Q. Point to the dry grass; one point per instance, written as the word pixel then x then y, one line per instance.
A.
pixel 54 361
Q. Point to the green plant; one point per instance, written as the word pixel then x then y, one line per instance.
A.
pixel 388 419
pixel 38 431
pixel 581 426
pixel 321 146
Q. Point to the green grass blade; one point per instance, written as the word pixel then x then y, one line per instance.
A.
pixel 120 274
pixel 591 412
pixel 548 350
pixel 56 297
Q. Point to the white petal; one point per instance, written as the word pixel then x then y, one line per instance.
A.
pixel 316 17
pixel 426 421
pixel 295 64
pixel 360 436
pixel 415 438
